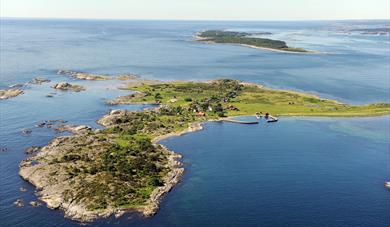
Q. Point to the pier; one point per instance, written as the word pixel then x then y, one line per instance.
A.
pixel 241 122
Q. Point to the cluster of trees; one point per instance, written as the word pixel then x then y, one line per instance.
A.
pixel 136 160
pixel 219 34
pixel 258 42
pixel 119 174
pixel 226 89
pixel 212 104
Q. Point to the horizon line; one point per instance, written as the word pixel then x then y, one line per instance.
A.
pixel 195 19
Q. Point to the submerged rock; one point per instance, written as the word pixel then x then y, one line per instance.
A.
pixel 10 93
pixel 26 131
pixel 35 203
pixel 40 80
pixel 50 123
pixel 3 149
pixel 22 189
pixel 127 77
pixel 41 125
pixel 19 203
pixel 17 86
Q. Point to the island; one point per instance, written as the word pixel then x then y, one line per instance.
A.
pixel 122 168
pixel 246 39
pixel 373 31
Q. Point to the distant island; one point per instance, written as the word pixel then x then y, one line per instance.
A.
pixel 246 39
pixel 373 31
pixel 96 173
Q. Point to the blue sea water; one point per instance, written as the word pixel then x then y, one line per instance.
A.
pixel 297 172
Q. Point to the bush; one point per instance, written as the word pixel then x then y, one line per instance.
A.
pixel 221 114
pixel 157 96
pixel 156 181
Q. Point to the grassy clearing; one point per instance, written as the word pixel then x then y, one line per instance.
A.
pixel 248 99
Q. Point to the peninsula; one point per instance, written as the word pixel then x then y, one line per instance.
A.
pixel 246 39
pixel 97 173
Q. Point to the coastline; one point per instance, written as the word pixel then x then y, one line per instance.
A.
pixel 280 50
pixel 79 213
pixel 54 184
pixel 46 192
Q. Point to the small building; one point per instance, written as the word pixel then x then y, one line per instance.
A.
pixel 200 114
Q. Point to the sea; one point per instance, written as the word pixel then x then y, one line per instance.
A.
pixel 300 171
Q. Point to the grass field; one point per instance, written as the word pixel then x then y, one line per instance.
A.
pixel 247 98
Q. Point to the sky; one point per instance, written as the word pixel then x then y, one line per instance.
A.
pixel 198 9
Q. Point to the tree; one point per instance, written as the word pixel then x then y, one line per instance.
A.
pixel 157 96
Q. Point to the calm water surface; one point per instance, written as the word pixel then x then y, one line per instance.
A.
pixel 297 172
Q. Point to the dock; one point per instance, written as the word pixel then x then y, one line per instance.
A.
pixel 240 122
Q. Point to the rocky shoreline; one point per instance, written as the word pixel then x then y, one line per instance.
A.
pixel 51 191
pixel 170 180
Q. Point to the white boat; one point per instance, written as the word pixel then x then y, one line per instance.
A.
pixel 272 119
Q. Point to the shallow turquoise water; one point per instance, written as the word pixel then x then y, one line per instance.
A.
pixel 298 172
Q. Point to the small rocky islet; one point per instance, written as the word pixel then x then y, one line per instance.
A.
pixel 65 86
pixel 16 89
pixel 40 80
pixel 89 76
pixel 10 93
